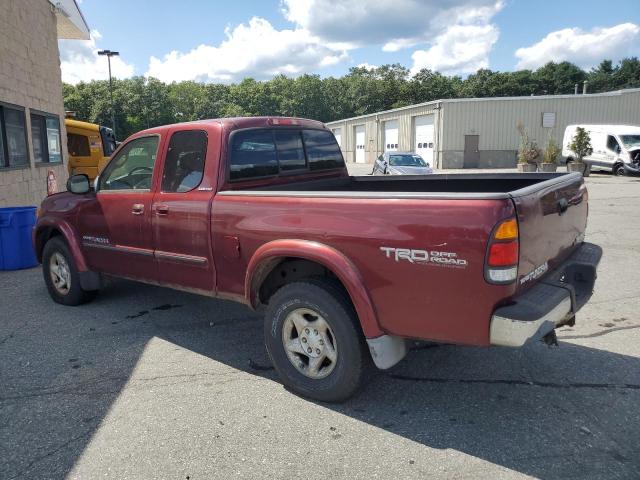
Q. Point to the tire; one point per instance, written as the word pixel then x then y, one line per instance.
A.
pixel 66 290
pixel 317 300
pixel 618 170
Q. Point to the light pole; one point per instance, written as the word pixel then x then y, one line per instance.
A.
pixel 110 54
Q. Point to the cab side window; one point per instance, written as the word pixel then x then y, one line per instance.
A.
pixel 132 167
pixel 612 144
pixel 184 164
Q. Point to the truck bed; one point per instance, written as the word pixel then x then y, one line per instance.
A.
pixel 466 185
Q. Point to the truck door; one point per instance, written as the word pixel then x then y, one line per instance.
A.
pixel 181 214
pixel 116 227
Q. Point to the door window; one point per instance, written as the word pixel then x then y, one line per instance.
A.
pixel 132 167
pixel 612 144
pixel 184 164
pixel 78 145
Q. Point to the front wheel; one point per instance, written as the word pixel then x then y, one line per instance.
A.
pixel 61 275
pixel 618 170
pixel 314 340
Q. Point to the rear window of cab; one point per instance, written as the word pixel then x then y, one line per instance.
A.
pixel 268 152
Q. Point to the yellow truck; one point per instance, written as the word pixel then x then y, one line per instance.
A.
pixel 89 145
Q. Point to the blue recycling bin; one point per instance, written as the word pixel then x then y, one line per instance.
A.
pixel 16 249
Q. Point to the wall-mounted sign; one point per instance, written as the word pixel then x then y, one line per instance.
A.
pixel 549 119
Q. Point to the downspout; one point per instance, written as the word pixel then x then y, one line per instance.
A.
pixel 438 159
pixel 377 139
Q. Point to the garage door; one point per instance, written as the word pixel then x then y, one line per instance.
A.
pixel 424 144
pixel 360 144
pixel 390 135
pixel 337 132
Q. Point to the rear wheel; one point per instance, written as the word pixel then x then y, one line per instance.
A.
pixel 61 275
pixel 618 170
pixel 314 340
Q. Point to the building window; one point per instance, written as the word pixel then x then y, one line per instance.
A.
pixel 13 137
pixel 45 136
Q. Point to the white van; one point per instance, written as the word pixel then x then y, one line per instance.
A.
pixel 616 148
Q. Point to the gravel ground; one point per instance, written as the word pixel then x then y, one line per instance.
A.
pixel 147 382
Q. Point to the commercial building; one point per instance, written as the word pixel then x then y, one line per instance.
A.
pixel 478 132
pixel 32 134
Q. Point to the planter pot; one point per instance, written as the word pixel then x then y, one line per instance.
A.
pixel 548 167
pixel 527 167
pixel 583 168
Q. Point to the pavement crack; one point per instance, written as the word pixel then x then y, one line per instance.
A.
pixel 618 386
pixel 598 334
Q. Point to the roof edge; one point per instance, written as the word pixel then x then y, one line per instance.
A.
pixel 486 99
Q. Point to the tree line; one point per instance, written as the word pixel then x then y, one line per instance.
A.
pixel 142 102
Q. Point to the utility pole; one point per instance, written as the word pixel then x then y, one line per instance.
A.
pixel 110 54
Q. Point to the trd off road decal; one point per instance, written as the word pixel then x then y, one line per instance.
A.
pixel 425 257
pixel 92 239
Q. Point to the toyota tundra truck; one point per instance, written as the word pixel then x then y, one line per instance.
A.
pixel 348 270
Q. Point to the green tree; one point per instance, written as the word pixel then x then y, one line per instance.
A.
pixel 581 144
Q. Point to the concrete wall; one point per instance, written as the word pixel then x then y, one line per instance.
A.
pixel 30 78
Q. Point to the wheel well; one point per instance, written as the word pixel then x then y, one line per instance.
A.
pixel 42 237
pixel 289 270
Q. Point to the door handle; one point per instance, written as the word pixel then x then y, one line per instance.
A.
pixel 162 210
pixel 137 209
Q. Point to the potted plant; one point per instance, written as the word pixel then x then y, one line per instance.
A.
pixel 527 151
pixel 550 155
pixel 581 146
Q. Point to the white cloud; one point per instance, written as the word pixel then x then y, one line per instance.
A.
pixel 255 49
pixel 457 35
pixel 368 66
pixel 585 49
pixel 405 22
pixel 461 49
pixel 80 62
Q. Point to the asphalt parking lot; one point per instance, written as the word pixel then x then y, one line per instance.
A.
pixel 147 382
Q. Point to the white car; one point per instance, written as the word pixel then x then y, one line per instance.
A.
pixel 401 163
pixel 616 148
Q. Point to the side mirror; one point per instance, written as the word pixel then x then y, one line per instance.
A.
pixel 78 184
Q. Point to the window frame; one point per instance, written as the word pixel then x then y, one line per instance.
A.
pixel 6 165
pixel 280 173
pixel 44 116
pixel 113 158
pixel 164 160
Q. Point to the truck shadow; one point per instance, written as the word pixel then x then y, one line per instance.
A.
pixel 546 412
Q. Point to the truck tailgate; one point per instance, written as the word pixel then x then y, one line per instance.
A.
pixel 552 218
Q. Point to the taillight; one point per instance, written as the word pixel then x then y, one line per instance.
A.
pixel 503 251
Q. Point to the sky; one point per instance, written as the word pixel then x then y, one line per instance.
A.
pixel 226 41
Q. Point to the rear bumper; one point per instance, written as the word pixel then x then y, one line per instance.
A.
pixel 552 302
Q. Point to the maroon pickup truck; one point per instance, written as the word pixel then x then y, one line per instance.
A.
pixel 348 269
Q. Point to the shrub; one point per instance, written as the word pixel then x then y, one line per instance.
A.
pixel 528 150
pixel 551 150
pixel 581 144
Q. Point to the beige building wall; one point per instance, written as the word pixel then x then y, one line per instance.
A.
pixel 30 78
pixel 494 120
